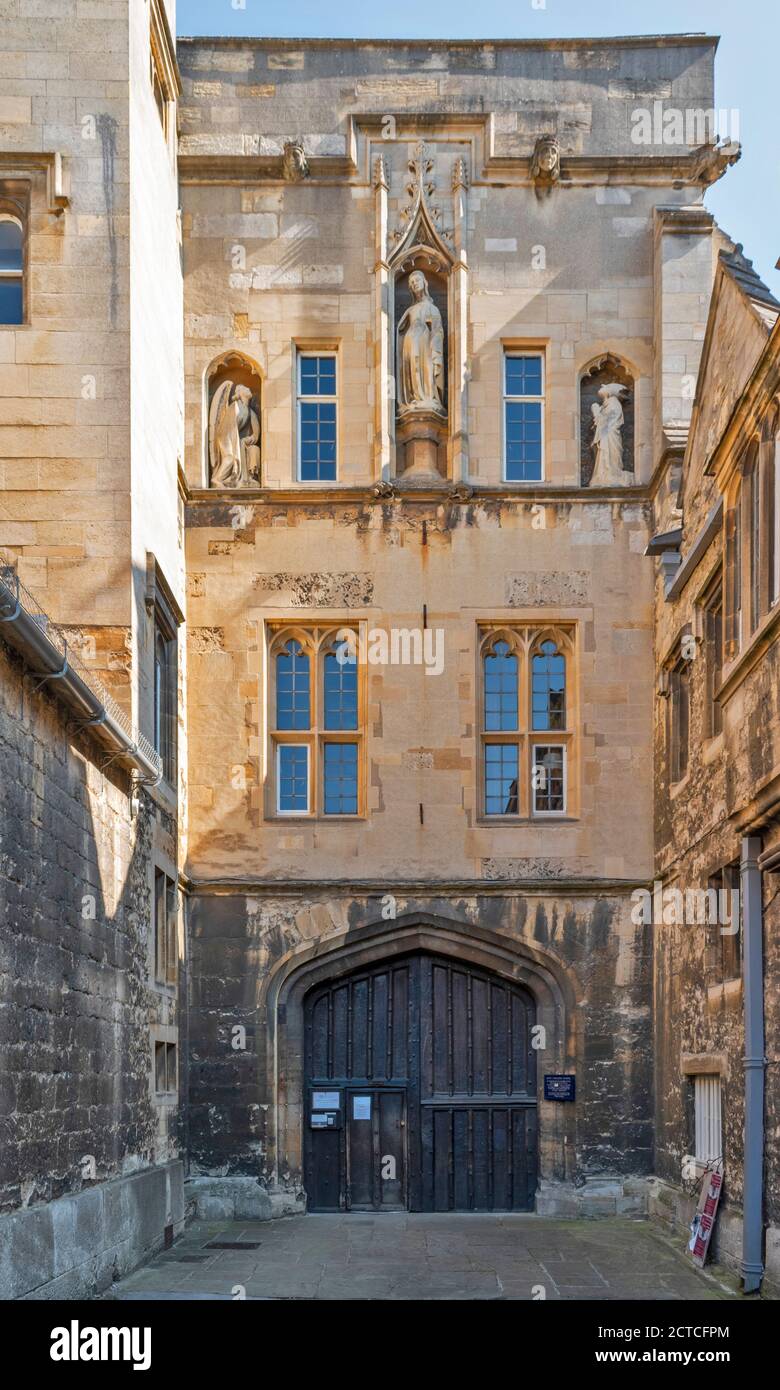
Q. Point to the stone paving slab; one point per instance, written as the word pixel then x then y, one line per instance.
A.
pixel 410 1256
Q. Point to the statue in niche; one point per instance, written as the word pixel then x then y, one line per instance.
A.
pixel 295 165
pixel 608 436
pixel 546 163
pixel 234 435
pixel 421 352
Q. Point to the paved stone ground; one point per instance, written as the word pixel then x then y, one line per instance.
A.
pixel 415 1256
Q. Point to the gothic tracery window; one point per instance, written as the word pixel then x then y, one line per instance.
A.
pixel 316 723
pixel 524 702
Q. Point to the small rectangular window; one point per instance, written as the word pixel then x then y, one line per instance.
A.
pixel 714 638
pixel 724 945
pixel 341 779
pixel 172 953
pixel 501 774
pixel 678 718
pixel 317 417
pixel 708 1133
pixel 523 416
pixel 165 1081
pixel 166 954
pixel 292 779
pixel 549 779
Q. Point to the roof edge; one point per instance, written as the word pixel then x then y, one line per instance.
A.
pixel 619 40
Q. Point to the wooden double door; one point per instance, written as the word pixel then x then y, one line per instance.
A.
pixel 420 1090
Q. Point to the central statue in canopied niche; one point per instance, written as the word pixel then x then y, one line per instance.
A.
pixel 421 351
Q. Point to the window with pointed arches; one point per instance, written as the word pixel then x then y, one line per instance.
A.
pixel 527 721
pixel 316 720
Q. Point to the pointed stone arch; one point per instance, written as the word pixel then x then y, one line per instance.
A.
pixel 555 991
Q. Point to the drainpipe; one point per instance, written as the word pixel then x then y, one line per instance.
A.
pixel 754 1063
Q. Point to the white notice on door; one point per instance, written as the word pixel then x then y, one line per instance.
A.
pixel 361 1107
pixel 325 1100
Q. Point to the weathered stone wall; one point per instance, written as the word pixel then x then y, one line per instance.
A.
pixel 76 857
pixel 238 941
pixel 701 820
pixel 65 384
pixel 380 563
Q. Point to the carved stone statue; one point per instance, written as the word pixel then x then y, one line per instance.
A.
pixel 295 165
pixel 234 434
pixel 421 352
pixel 546 163
pixel 608 436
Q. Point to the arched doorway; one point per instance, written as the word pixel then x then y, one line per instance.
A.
pixel 420 1089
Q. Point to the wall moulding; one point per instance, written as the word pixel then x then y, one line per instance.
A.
pixel 367 134
pixel 18 163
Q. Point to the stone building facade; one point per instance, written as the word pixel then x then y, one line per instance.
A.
pixel 91 528
pixel 443 311
pixel 716 802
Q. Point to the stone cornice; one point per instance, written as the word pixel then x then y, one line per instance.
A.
pixel 446 495
pixel 700 40
pixel 197 164
pixel 421 888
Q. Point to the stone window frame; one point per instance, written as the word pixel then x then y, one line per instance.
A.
pixel 525 639
pixel 164 1036
pixel 164 75
pixel 723 950
pixel 15 207
pixel 675 667
pixel 525 347
pixel 317 640
pixel 165 620
pixel 165 955
pixel 316 347
pixel 693 1065
pixel 710 605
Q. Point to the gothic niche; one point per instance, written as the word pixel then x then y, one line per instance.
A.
pixel 606 424
pixel 421 264
pixel 234 423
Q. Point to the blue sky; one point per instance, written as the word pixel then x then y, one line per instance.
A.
pixel 746 202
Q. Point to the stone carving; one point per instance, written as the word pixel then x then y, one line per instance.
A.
pixel 460 174
pixel 234 435
pixel 611 372
pixel 461 492
pixel 710 162
pixel 420 352
pixel 420 210
pixel 608 436
pixel 385 490
pixel 546 163
pixel 295 165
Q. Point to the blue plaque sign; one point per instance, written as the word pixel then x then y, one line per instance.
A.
pixel 560 1087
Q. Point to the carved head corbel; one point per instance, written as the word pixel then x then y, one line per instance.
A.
pixel 295 165
pixel 546 163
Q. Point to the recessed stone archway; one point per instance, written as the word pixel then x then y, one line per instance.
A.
pixel 554 989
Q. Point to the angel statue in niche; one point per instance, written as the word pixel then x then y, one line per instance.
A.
pixel 608 436
pixel 234 432
pixel 421 351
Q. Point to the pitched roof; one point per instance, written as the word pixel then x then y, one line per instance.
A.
pixel 747 279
